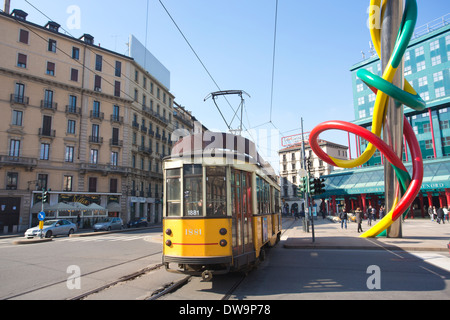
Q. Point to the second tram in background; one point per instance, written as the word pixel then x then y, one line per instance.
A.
pixel 221 205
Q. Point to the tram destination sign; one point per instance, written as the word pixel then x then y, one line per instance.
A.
pixel 288 141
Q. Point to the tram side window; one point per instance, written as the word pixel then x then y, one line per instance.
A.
pixel 216 188
pixel 192 190
pixel 173 192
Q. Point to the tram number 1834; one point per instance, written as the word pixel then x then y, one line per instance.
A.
pixel 193 232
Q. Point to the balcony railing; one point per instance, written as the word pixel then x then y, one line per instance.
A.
pixel 47 133
pixel 49 105
pixel 20 99
pixel 97 115
pixel 96 139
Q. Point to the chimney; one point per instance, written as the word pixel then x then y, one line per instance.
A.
pixel 7 6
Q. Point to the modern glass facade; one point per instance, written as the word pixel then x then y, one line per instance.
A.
pixel 427 68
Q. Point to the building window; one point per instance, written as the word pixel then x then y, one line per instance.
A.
pixel 74 75
pixel 22 60
pixel 419 51
pixel 446 142
pixel 118 69
pixel 362 113
pixel 435 60
pixel 52 45
pixel 408 70
pixel 75 53
pixel 96 109
pixel 17 118
pixel 444 124
pixel 94 156
pixel 92 184
pixel 67 183
pixel 426 128
pixel 11 180
pixel 440 92
pixel 114 158
pixel 372 97
pixel 68 157
pixel 113 186
pixel 98 62
pixel 42 181
pixel 428 144
pixel 434 45
pixel 361 101
pixel 50 68
pixel 97 83
pixel 45 150
pixel 421 66
pixel 423 81
pixel 425 96
pixel 359 87
pixel 438 76
pixel 14 148
pixel 71 126
pixel 117 88
pixel 23 36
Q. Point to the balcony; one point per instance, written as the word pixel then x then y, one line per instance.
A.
pixel 73 110
pixel 97 115
pixel 116 118
pixel 104 169
pixel 135 125
pixel 49 105
pixel 46 133
pixel 115 143
pixel 143 128
pixel 19 99
pixel 96 139
pixel 28 163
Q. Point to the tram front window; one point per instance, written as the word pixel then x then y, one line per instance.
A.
pixel 192 192
pixel 216 192
pixel 173 185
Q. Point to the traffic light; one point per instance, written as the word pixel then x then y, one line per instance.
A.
pixel 44 195
pixel 302 187
pixel 320 185
pixel 312 186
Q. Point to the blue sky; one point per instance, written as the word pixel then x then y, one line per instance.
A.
pixel 317 43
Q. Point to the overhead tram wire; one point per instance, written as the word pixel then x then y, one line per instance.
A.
pixel 200 60
pixel 273 58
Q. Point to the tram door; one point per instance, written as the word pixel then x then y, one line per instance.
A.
pixel 241 198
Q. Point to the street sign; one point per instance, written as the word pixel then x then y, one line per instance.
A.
pixel 41 216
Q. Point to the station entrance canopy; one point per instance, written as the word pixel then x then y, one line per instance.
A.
pixel 371 179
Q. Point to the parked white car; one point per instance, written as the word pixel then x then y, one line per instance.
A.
pixel 52 228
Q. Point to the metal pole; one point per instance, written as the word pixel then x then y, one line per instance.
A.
pixel 393 128
pixel 305 192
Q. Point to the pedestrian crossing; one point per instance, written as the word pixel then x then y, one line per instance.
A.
pixel 104 238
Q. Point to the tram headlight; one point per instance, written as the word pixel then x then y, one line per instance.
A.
pixel 223 242
pixel 223 231
pixel 168 243
pixel 168 232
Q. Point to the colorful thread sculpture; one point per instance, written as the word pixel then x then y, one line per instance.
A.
pixel 408 186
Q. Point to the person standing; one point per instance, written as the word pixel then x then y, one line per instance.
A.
pixel 359 218
pixel 382 212
pixel 430 213
pixel 344 217
pixel 445 213
pixel 440 216
pixel 369 216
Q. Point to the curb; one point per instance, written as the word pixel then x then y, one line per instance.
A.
pixel 96 233
pixel 31 241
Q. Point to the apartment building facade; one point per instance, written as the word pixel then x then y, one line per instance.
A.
pixel 86 122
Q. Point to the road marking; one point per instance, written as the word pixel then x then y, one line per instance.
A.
pixel 435 259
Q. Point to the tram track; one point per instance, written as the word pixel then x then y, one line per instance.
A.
pixel 186 281
pixel 79 297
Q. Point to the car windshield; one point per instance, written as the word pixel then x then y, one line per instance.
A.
pixel 105 220
pixel 50 222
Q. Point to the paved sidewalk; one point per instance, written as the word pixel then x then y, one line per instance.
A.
pixel 418 235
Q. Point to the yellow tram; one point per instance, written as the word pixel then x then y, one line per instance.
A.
pixel 221 205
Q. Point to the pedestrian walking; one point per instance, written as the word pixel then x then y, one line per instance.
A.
pixel 359 218
pixel 369 216
pixel 440 216
pixel 382 212
pixel 434 213
pixel 374 214
pixel 445 213
pixel 344 217
pixel 78 221
pixel 430 213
